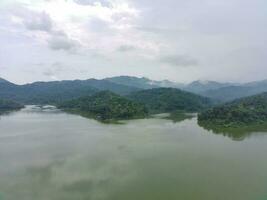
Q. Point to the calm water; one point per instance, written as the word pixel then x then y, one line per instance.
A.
pixel 49 155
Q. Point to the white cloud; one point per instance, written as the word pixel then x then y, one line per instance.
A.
pixel 156 36
pixel 179 60
pixel 126 48
pixel 39 21
pixel 104 3
pixel 61 42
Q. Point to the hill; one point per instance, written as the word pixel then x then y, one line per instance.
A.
pixel 248 111
pixel 3 81
pixel 230 93
pixel 199 87
pixel 105 106
pixel 57 91
pixel 6 106
pixel 161 100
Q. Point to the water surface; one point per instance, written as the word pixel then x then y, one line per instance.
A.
pixel 46 154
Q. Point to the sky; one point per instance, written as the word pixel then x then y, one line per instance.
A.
pixel 178 40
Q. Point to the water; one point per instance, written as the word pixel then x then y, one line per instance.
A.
pixel 46 154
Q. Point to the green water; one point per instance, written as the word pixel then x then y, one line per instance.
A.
pixel 46 154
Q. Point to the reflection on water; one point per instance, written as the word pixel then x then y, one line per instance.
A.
pixel 48 154
pixel 237 134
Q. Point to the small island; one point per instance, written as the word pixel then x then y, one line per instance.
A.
pixel 109 107
pixel 106 107
pixel 246 114
pixel 7 106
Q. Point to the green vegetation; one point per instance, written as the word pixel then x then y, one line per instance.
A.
pixel 179 116
pixel 6 106
pixel 58 91
pixel 160 100
pixel 243 113
pixel 106 107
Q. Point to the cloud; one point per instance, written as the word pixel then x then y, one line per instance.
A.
pixel 153 34
pixel 54 70
pixel 41 21
pixel 3 67
pixel 104 3
pixel 179 60
pixel 31 19
pixel 35 20
pixel 159 30
pixel 62 42
pixel 150 29
pixel 126 48
pixel 38 22
pixel 98 25
pixel 48 72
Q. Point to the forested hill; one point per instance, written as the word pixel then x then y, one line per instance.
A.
pixel 243 112
pixel 106 106
pixel 57 91
pixel 9 106
pixel 161 100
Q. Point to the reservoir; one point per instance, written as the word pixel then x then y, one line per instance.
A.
pixel 47 154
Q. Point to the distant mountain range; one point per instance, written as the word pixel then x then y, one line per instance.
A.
pixel 200 87
pixel 143 83
pixel 222 92
pixel 56 91
pixel 233 92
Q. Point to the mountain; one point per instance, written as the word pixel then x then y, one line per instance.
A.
pixel 9 106
pixel 160 100
pixel 56 91
pixel 199 87
pixel 142 83
pixel 4 84
pixel 230 93
pixel 111 86
pixel 8 90
pixel 242 112
pixel 105 106
pixel 219 91
pixel 258 84
pixel 3 81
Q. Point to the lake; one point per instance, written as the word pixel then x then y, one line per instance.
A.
pixel 46 154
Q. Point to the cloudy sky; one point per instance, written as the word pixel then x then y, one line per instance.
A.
pixel 179 40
